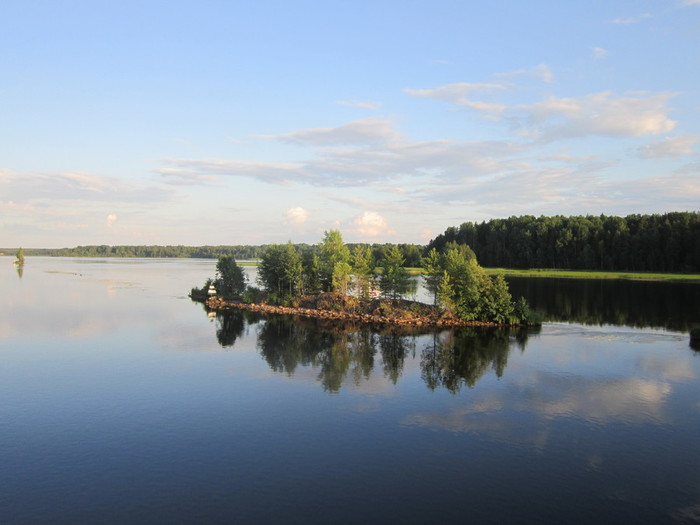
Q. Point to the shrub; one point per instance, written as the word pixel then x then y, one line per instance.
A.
pixel 253 294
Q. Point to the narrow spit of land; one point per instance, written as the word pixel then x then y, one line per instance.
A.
pixel 335 306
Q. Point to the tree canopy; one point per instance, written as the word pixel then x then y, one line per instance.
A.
pixel 663 243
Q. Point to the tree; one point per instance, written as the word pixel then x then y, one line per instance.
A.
pixel 230 280
pixel 432 272
pixel 445 293
pixel 311 270
pixel 496 301
pixel 363 268
pixel 334 253
pixel 394 279
pixel 280 271
pixel 462 286
pixel 341 278
pixel 20 256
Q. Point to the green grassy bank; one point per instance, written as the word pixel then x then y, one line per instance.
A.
pixel 582 274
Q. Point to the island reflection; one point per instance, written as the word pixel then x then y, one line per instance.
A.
pixel 449 359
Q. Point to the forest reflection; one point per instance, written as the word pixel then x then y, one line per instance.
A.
pixel 450 359
pixel 640 304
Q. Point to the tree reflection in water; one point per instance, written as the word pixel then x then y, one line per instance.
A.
pixel 340 351
pixel 462 357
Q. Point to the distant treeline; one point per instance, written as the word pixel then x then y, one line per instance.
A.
pixel 412 253
pixel 660 243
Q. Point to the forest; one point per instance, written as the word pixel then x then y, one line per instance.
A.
pixel 640 243
pixel 412 253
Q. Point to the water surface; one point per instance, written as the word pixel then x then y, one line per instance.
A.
pixel 124 402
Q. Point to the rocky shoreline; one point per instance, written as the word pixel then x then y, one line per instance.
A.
pixel 330 306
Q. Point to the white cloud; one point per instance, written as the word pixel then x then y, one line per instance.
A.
pixel 111 219
pixel 541 72
pixel 33 187
pixel 361 104
pixel 363 131
pixel 633 19
pixel 599 52
pixel 270 172
pixel 458 94
pixel 370 224
pixel 690 2
pixel 366 164
pixel 668 147
pixel 632 115
pixel 176 177
pixel 297 215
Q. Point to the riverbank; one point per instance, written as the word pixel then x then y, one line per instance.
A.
pixel 334 306
pixel 583 274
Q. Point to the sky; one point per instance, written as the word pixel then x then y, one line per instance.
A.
pixel 231 122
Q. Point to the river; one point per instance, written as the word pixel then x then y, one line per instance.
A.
pixel 125 402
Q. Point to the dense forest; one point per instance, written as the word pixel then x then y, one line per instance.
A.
pixel 661 243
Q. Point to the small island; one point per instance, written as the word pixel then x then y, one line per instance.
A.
pixel 19 261
pixel 330 282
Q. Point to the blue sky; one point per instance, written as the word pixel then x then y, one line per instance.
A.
pixel 227 122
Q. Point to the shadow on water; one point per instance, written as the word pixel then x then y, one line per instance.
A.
pixel 340 352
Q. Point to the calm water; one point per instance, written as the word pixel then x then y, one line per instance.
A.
pixel 123 402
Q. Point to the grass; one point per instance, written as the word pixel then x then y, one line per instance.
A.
pixel 570 274
pixel 582 274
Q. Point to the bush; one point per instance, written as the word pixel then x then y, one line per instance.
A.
pixel 695 334
pixel 253 295
pixel 524 314
pixel 201 294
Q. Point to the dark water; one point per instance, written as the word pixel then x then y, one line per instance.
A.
pixel 670 305
pixel 123 402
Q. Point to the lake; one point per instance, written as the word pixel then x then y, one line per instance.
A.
pixel 125 402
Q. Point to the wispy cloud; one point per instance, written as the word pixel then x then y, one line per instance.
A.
pixel 364 131
pixel 32 187
pixel 605 114
pixel 459 93
pixel 668 147
pixel 634 18
pixel 599 52
pixel 200 169
pixel 540 72
pixel 361 104
pixel 409 176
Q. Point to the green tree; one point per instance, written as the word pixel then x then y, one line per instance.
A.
pixel 335 260
pixel 393 281
pixel 496 301
pixel 20 256
pixel 230 280
pixel 342 277
pixel 432 272
pixel 465 288
pixel 465 276
pixel 280 272
pixel 445 293
pixel 311 265
pixel 363 268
